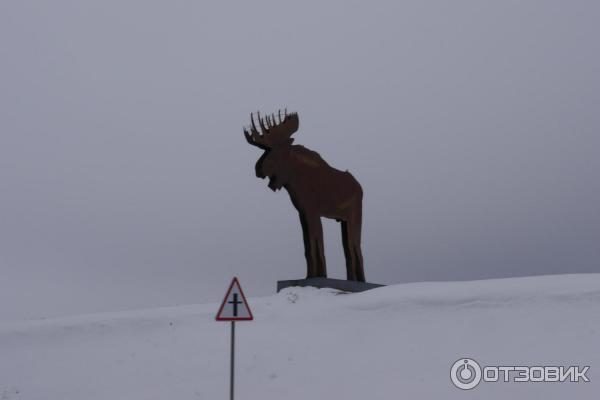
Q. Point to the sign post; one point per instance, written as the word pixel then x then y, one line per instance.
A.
pixel 234 308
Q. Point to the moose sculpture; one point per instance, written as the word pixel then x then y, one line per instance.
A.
pixel 315 188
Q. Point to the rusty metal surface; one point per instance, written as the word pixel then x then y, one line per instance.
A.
pixel 315 188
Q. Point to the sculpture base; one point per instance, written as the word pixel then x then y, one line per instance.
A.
pixel 320 283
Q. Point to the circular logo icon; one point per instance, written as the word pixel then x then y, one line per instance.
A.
pixel 465 373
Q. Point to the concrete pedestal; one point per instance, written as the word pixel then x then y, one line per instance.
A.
pixel 339 284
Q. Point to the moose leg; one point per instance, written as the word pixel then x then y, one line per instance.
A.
pixel 358 258
pixel 320 248
pixel 312 232
pixel 311 270
pixel 315 229
pixel 348 253
pixel 351 241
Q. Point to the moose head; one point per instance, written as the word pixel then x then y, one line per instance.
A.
pixel 276 141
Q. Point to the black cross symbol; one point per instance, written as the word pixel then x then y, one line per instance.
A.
pixel 235 303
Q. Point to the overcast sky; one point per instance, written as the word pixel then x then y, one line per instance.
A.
pixel 473 127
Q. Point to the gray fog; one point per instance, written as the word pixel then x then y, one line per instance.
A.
pixel 473 127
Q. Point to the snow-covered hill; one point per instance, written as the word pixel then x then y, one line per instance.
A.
pixel 396 342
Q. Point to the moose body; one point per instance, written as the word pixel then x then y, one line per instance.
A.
pixel 316 190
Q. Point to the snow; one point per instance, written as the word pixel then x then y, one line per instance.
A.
pixel 389 343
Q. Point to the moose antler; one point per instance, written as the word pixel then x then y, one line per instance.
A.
pixel 273 133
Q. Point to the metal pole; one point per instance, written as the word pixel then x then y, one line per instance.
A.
pixel 232 359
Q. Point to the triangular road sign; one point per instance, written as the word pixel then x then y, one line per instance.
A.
pixel 234 306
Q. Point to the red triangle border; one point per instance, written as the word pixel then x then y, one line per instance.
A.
pixel 219 318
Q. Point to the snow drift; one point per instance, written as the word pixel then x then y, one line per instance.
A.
pixel 396 342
